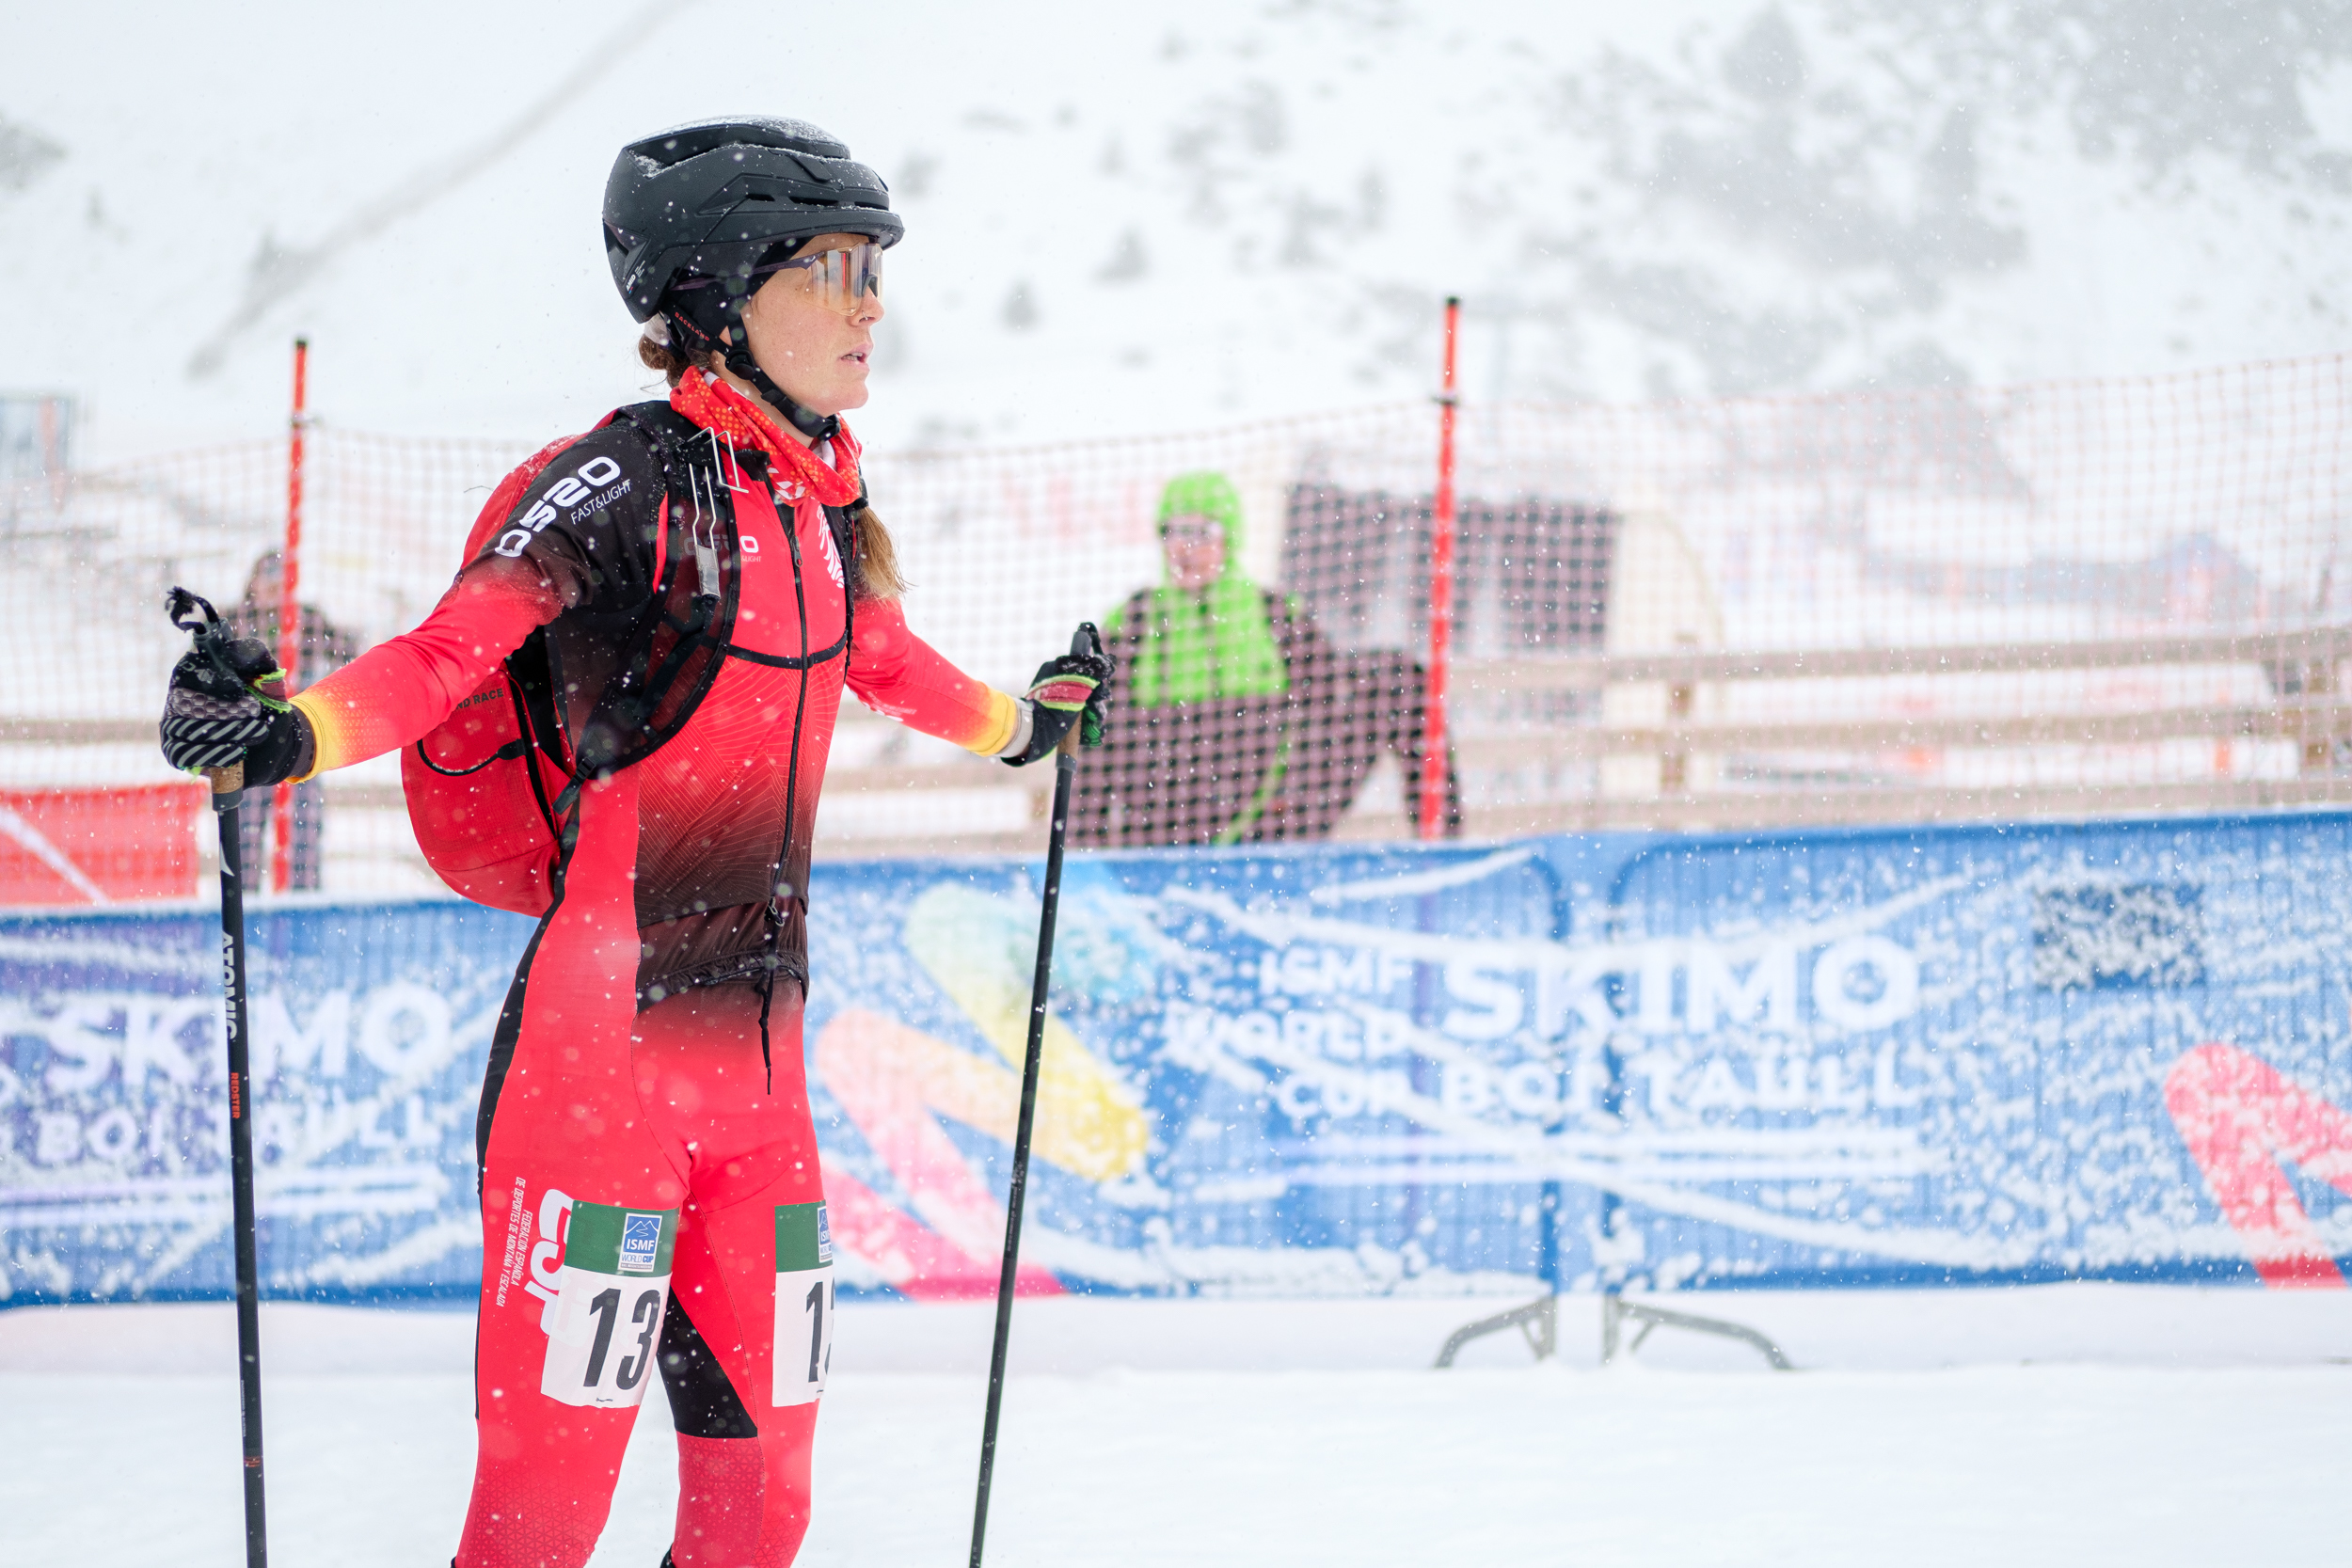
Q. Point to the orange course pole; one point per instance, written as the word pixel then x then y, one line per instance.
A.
pixel 1432 728
pixel 289 613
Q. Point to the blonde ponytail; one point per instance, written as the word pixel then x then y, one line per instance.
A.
pixel 877 556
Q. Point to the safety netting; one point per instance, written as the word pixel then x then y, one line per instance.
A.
pixel 2078 597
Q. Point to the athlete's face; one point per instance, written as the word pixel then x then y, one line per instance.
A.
pixel 816 351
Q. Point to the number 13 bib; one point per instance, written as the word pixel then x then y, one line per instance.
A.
pixel 803 1345
pixel 613 1286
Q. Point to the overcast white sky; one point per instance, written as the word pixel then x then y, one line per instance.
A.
pixel 1145 217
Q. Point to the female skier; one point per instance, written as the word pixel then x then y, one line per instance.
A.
pixel 681 595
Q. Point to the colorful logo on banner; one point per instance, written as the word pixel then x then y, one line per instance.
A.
pixel 2020 1053
pixel 1866 1058
pixel 2249 1129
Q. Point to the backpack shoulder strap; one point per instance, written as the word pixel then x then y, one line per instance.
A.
pixel 662 423
pixel 842 521
pixel 844 529
pixel 668 432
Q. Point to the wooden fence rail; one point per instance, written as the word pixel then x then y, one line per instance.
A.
pixel 1767 789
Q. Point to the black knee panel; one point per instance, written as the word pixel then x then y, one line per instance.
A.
pixel 703 1402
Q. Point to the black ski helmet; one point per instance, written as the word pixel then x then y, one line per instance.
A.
pixel 706 204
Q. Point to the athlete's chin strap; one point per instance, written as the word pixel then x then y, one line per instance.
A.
pixel 816 426
pixel 734 350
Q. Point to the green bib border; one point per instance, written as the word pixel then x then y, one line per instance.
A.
pixel 591 1241
pixel 803 1237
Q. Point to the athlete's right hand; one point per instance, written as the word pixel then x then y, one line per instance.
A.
pixel 215 717
pixel 1073 688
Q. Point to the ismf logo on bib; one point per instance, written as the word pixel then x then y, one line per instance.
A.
pixel 803 1345
pixel 611 1291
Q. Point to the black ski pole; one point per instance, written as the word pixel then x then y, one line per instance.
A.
pixel 1065 771
pixel 228 793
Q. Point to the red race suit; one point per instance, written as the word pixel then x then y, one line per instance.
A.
pixel 650 1189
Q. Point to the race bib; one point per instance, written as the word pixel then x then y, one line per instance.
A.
pixel 611 1290
pixel 804 1343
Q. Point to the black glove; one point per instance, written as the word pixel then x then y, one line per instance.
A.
pixel 1073 688
pixel 226 703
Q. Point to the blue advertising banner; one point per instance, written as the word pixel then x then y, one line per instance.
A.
pixel 370 1025
pixel 1884 1058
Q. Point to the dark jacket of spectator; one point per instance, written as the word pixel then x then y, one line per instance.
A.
pixel 1234 719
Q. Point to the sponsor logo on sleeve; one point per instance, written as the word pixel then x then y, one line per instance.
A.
pixel 586 490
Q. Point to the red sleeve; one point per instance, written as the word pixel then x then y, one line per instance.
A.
pixel 397 692
pixel 898 674
pixel 570 519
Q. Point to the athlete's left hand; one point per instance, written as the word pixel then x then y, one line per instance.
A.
pixel 1073 688
pixel 227 703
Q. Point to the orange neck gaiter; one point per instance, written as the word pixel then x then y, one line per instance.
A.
pixel 715 405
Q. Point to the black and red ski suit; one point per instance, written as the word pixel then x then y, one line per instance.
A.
pixel 650 1187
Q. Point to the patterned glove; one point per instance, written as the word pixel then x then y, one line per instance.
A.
pixel 226 701
pixel 1073 688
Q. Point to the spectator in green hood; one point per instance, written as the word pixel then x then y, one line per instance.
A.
pixel 1236 721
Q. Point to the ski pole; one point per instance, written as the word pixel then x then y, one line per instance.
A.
pixel 1065 772
pixel 190 613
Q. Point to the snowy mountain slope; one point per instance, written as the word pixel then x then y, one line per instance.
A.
pixel 1127 218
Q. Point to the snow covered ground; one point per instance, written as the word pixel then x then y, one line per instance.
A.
pixel 2073 1424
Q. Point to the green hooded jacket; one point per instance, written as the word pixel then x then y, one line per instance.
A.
pixel 1198 645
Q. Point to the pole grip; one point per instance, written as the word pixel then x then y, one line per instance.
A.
pixel 1085 640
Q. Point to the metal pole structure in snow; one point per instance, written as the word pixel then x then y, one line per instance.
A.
pixel 1065 771
pixel 1432 725
pixel 282 808
pixel 190 613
